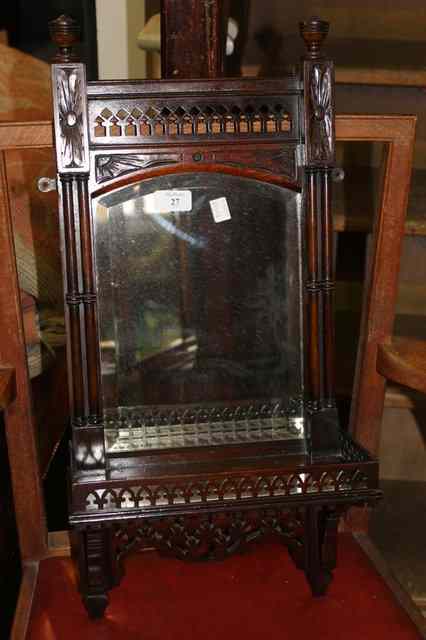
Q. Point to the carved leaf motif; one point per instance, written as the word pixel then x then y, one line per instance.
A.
pixel 109 167
pixel 71 117
pixel 287 158
pixel 283 162
pixel 322 116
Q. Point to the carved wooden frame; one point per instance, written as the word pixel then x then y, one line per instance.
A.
pixel 203 117
pixel 112 134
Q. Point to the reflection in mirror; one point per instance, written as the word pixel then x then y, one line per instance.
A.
pixel 200 311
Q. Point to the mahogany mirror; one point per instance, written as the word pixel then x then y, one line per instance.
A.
pixel 198 271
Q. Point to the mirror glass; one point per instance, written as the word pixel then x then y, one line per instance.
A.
pixel 200 311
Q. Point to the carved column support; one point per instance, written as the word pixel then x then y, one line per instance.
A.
pixel 327 279
pixel 318 80
pixel 72 157
pixel 72 299
pixel 319 139
pixel 319 154
pixel 89 300
pixel 324 432
pixel 80 298
pixel 320 286
pixel 313 288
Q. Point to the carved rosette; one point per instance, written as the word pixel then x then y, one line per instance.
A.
pixel 70 107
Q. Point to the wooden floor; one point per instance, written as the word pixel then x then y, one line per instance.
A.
pixel 252 596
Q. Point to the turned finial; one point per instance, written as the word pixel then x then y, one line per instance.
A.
pixel 65 33
pixel 314 31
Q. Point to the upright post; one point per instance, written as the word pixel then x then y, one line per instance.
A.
pixel 193 37
pixel 318 79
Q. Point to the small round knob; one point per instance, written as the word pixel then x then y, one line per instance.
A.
pixel 45 184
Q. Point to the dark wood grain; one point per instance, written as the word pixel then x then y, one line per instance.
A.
pixel 193 35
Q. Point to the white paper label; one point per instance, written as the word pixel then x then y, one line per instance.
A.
pixel 171 200
pixel 220 210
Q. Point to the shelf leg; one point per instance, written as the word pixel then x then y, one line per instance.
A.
pixel 98 571
pixel 317 572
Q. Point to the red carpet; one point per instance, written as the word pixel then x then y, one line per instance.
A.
pixel 253 596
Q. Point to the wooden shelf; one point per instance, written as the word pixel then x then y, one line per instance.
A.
pixel 361 61
pixel 397 396
pixel 404 361
pixel 397 63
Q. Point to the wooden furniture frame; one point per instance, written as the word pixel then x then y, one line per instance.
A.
pixel 19 421
pixel 203 505
pixel 396 131
pixel 381 286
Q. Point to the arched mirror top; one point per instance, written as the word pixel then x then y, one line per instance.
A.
pixel 117 171
pixel 199 279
